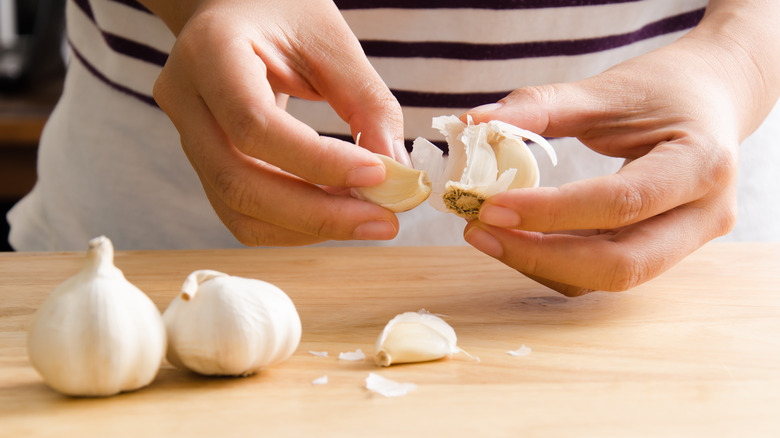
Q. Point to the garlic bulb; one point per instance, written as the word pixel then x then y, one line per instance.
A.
pixel 484 160
pixel 415 337
pixel 403 188
pixel 226 325
pixel 96 334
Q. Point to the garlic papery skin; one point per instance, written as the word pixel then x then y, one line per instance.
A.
pixel 403 188
pixel 233 326
pixel 415 337
pixel 484 160
pixel 97 334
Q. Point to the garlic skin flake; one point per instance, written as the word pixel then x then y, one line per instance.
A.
pixel 97 334
pixel 356 355
pixel 403 188
pixel 232 326
pixel 388 388
pixel 520 352
pixel 484 160
pixel 415 337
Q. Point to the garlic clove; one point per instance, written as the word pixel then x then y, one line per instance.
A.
pixel 512 153
pixel 227 325
pixel 484 160
pixel 415 337
pixel 97 334
pixel 403 188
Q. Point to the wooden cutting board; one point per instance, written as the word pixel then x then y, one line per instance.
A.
pixel 695 352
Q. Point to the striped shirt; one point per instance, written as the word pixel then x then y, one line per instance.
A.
pixel 110 161
pixel 438 57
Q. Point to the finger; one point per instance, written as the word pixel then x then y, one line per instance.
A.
pixel 360 97
pixel 609 262
pixel 554 110
pixel 235 89
pixel 680 174
pixel 261 191
pixel 597 110
pixel 252 232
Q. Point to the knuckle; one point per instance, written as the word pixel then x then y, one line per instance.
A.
pixel 718 182
pixel 238 229
pixel 629 203
pixel 727 222
pixel 536 94
pixel 161 90
pixel 228 185
pixel 628 271
pixel 253 236
pixel 320 223
pixel 724 165
pixel 247 131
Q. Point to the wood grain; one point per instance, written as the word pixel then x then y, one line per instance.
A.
pixel 695 352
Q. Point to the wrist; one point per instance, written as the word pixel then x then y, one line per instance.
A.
pixel 174 13
pixel 737 40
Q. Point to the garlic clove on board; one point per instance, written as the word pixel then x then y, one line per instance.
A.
pixel 415 337
pixel 97 334
pixel 225 325
pixel 403 188
pixel 484 160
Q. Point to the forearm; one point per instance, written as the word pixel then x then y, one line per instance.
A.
pixel 740 39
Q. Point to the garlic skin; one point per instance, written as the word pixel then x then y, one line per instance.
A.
pixel 97 334
pixel 403 188
pixel 484 160
pixel 415 337
pixel 232 326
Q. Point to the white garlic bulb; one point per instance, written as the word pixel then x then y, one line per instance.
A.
pixel 484 160
pixel 233 326
pixel 415 337
pixel 97 334
pixel 403 188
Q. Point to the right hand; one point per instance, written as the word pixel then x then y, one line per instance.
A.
pixel 272 179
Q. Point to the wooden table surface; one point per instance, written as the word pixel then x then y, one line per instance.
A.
pixel 695 352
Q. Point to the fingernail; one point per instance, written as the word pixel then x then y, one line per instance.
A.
pixel 484 241
pixel 366 176
pixel 498 216
pixel 486 108
pixel 375 230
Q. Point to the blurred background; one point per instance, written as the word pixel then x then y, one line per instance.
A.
pixel 33 54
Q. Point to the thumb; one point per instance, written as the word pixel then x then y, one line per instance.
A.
pixel 554 110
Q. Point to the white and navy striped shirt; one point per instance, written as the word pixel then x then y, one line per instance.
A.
pixel 438 57
pixel 110 162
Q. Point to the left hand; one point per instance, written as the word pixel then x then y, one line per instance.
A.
pixel 677 115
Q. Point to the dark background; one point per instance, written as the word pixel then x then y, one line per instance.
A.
pixel 31 74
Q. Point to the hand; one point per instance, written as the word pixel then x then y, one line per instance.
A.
pixel 677 115
pixel 271 179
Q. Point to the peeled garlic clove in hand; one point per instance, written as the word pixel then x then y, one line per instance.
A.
pixel 97 334
pixel 233 326
pixel 415 337
pixel 484 160
pixel 403 188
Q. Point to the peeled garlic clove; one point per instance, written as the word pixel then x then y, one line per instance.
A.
pixel 403 188
pixel 484 160
pixel 97 334
pixel 415 337
pixel 513 153
pixel 226 325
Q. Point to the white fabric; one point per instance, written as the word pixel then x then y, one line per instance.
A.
pixel 111 164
